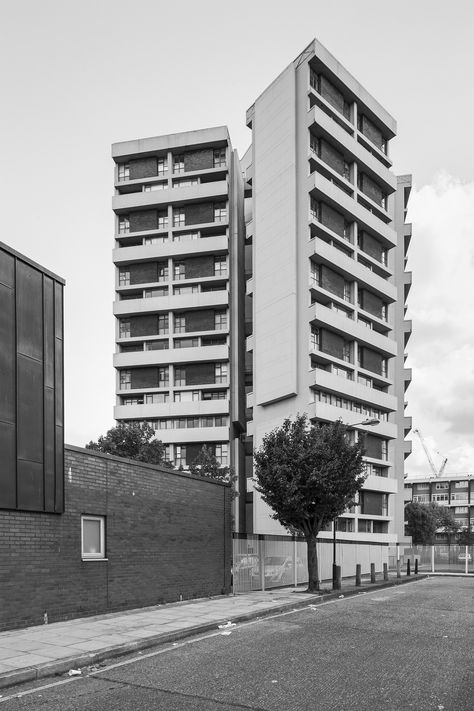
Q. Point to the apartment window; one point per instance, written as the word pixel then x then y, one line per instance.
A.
pixel 137 400
pixel 220 372
pixel 125 380
pixel 222 453
pixel 179 376
pixel 461 484
pixel 152 293
pixel 163 324
pixel 213 341
pixel 185 236
pixel 93 537
pixel 220 320
pixel 220 266
pixel 347 291
pixel 461 510
pixel 124 225
pixel 183 290
pixel 179 270
pixel 178 164
pixel 155 240
pixel 314 339
pixel 315 210
pixel 343 372
pixel 440 497
pixel 214 394
pixel 124 329
pixel 363 380
pixel 124 171
pixel 186 342
pixel 185 182
pixel 162 272
pixel 179 218
pixel 220 421
pixel 384 449
pixel 346 353
pixel 442 485
pixel 219 157
pixel 180 455
pixel 220 212
pixel 179 324
pixel 151 187
pixel 156 345
pixel 163 220
pixel 207 422
pixel 186 396
pixel 364 526
pixel 124 277
pixel 163 377
pixel 156 398
pixel 162 166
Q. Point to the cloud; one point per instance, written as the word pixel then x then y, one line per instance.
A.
pixel 441 305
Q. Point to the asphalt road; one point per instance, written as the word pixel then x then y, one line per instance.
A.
pixel 406 647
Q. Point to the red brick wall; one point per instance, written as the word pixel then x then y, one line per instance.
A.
pixel 167 535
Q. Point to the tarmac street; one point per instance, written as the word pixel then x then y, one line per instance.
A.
pixel 402 647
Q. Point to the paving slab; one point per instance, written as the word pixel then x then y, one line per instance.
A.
pixel 38 652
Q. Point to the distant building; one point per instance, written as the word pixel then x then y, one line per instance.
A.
pixel 31 385
pixel 454 491
pixel 281 279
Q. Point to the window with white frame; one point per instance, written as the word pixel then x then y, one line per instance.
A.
pixel 124 329
pixel 124 171
pixel 314 338
pixel 219 157
pixel 179 270
pixel 180 455
pixel 163 377
pixel 220 212
pixel 222 453
pixel 163 219
pixel 124 277
pixel 179 324
pixel 124 224
pixel 185 236
pixel 183 290
pixel 178 163
pixel 221 372
pixel 186 396
pixel 163 324
pixel 220 320
pixel 152 187
pixel 92 537
pixel 220 266
pixel 154 293
pixel 179 376
pixel 162 166
pixel 125 379
pixel 185 182
pixel 179 218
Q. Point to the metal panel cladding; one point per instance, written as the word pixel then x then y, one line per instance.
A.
pixel 31 386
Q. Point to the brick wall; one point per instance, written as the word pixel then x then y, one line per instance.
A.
pixel 167 534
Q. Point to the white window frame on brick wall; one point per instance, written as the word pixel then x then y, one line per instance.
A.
pixel 99 554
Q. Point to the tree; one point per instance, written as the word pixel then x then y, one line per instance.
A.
pixel 445 520
pixel 422 522
pixel 466 537
pixel 309 476
pixel 133 441
pixel 207 465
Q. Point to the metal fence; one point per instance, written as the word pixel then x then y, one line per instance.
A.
pixel 440 558
pixel 267 562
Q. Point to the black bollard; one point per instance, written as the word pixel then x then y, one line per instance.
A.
pixel 416 566
pixel 337 579
pixel 408 567
pixel 358 576
pixel 372 572
pixel 385 571
pixel 399 575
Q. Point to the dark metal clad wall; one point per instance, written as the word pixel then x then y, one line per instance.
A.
pixel 31 387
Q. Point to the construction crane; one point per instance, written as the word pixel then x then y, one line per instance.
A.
pixel 436 472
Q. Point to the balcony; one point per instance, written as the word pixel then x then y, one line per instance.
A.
pixel 171 409
pixel 321 188
pixel 249 287
pixel 407 424
pixel 185 302
pixel 365 158
pixel 331 413
pixel 351 389
pixel 387 485
pixel 249 400
pixel 194 434
pixel 249 343
pixel 322 316
pixel 214 245
pixel 202 191
pixel 407 281
pixel 172 355
pixel 322 252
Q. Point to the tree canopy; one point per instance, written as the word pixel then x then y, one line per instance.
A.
pixel 133 441
pixel 423 520
pixel 309 475
pixel 207 465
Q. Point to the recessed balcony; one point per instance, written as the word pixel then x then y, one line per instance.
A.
pixel 351 389
pixel 148 252
pixel 185 302
pixel 173 355
pixel 171 409
pixel 202 191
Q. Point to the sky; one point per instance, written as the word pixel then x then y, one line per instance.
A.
pixel 78 76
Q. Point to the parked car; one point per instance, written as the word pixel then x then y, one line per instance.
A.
pixel 279 570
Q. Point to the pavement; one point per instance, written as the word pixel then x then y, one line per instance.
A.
pixel 54 649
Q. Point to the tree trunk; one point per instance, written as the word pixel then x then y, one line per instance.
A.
pixel 313 572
